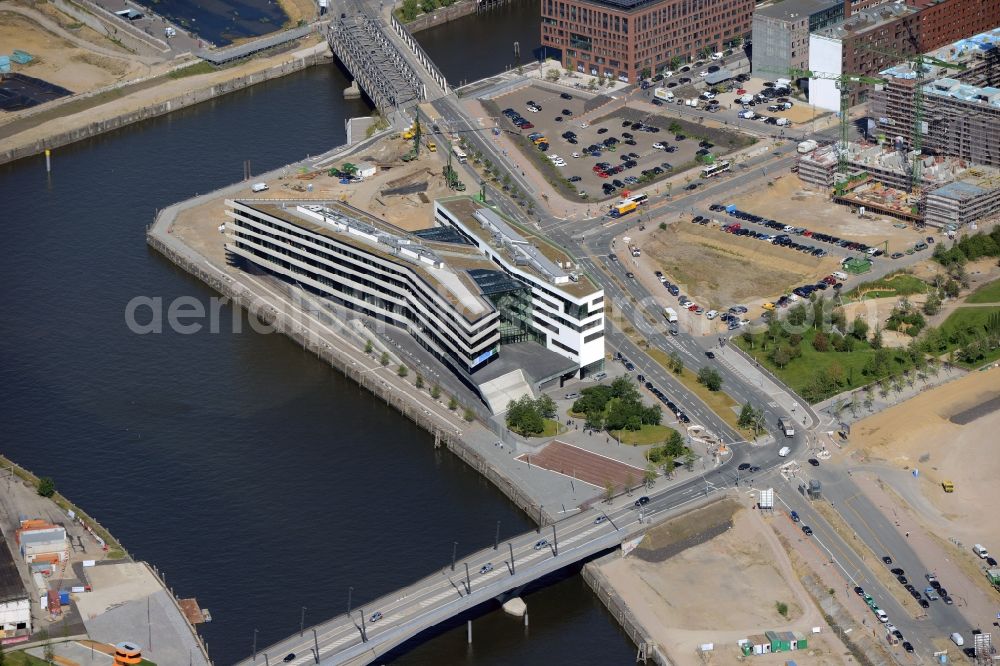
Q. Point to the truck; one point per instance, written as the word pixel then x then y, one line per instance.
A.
pixel 664 94
pixel 259 187
pixel 623 208
pixel 808 146
pixel 981 551
pixel 787 426
pixel 670 314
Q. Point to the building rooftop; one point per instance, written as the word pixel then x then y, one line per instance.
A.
pixel 11 585
pixel 793 9
pixel 959 191
pixel 954 88
pixel 969 48
pixel 866 20
pixel 530 252
pixel 442 265
pixel 623 5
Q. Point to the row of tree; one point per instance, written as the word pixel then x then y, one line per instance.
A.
pixel 969 248
pixel 410 9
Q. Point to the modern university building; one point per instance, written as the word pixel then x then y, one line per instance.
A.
pixel 506 311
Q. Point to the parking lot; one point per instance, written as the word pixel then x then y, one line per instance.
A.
pixel 604 155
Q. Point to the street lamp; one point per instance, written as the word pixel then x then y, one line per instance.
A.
pixel 454 553
pixel 302 621
pixel 255 645
pixel 350 590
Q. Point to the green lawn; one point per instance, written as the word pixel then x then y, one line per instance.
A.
pixel 648 434
pixel 800 372
pixel 988 293
pixel 552 428
pixel 972 320
pixel 196 69
pixel 896 284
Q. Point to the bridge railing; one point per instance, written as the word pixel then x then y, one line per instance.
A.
pixel 420 54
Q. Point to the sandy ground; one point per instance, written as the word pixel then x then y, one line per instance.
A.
pixel 198 226
pixel 170 88
pixel 876 312
pixel 918 434
pixel 59 61
pixel 743 271
pixel 740 574
pixel 792 202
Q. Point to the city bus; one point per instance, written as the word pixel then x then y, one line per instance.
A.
pixel 714 169
pixel 639 199
pixel 459 155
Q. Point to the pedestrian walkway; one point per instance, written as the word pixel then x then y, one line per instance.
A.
pixel 754 375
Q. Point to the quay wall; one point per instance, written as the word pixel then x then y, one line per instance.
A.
pixel 442 15
pixel 340 359
pixel 301 61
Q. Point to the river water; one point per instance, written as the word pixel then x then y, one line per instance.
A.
pixel 259 480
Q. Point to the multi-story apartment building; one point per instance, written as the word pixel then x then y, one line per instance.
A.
pixel 883 35
pixel 621 39
pixel 961 103
pixel 461 292
pixel 781 33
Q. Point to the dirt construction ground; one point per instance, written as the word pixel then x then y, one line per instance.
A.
pixel 198 226
pixel 743 271
pixel 741 574
pixel 791 201
pixel 937 434
pixel 60 61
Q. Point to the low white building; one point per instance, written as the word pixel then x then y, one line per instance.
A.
pixel 15 603
pixel 47 543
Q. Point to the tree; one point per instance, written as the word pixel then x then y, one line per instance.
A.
pixel 419 381
pixel 435 391
pixel 821 342
pixel 546 406
pixel 409 10
pixel 877 339
pixel 933 305
pixel 469 415
pixel 645 73
pixel 782 608
pixel 402 370
pixel 650 475
pixel 781 356
pixel 746 416
pixel 675 128
pixel 609 491
pixel 523 416
pixel 592 84
pixel 553 74
pixel 710 377
pixel 46 486
pixel 428 6
pixel 385 359
pixel 668 463
pixel 368 346
pixel 452 403
pixel 689 459
pixel 676 363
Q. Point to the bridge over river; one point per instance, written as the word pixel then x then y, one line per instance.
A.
pixel 484 576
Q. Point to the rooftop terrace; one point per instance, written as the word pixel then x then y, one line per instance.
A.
pixel 531 252
pixel 441 265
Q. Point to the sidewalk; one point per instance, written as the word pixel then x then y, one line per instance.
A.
pixel 754 375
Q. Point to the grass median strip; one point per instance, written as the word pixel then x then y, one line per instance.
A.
pixel 648 434
pixel 719 402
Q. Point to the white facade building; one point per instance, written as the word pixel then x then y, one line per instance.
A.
pixel 456 293
pixel 825 55
pixel 567 308
pixel 15 603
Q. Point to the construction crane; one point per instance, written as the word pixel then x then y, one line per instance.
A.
pixel 917 61
pixel 844 83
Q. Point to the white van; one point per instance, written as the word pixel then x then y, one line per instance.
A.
pixel 980 551
pixel 840 275
pixel 882 617
pixel 784 451
pixel 259 187
pixel 957 639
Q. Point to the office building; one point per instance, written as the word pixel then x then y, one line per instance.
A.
pixel 781 33
pixel 621 39
pixel 464 290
